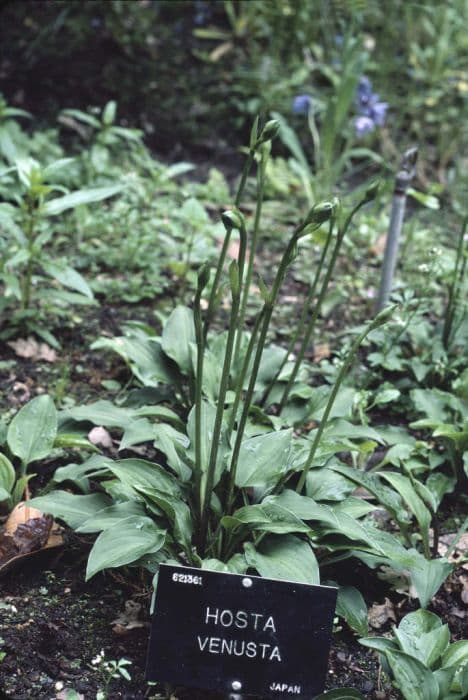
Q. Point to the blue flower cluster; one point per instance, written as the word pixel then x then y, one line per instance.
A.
pixel 301 104
pixel 372 111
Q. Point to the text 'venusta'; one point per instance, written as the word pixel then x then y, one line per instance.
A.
pixel 240 620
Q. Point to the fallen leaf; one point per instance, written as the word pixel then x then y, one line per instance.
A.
pixel 321 351
pixel 20 515
pixel 464 593
pixel 128 619
pixel 100 436
pixel 459 553
pixel 379 615
pixel 31 349
pixel 24 536
pixel 378 248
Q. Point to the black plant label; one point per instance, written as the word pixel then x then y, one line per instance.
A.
pixel 240 633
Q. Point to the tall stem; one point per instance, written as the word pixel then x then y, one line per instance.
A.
pixel 253 244
pixel 455 285
pixel 222 257
pixel 318 306
pixel 26 281
pixel 198 398
pixel 267 312
pixel 237 271
pixel 377 321
pixel 300 327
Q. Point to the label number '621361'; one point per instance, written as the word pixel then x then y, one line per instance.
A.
pixel 187 578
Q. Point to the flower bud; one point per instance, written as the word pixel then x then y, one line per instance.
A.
pixel 232 218
pixel 264 293
pixel 371 191
pixel 269 131
pixel 384 316
pixel 203 276
pixel 320 213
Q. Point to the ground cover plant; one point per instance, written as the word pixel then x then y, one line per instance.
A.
pixel 193 370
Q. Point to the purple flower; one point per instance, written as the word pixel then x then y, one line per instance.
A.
pixel 364 86
pixel 372 111
pixel 363 125
pixel 379 112
pixel 301 104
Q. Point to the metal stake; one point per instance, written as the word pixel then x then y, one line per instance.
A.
pixel 402 182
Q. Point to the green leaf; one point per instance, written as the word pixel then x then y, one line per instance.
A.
pixel 100 413
pixel 263 459
pixel 108 517
pixel 306 509
pixel 405 488
pixel 144 356
pixel 4 495
pixel 177 512
pixel 386 497
pixel 352 607
pixel 208 417
pixel 67 276
pixel 69 201
pixel 18 491
pixel 139 472
pixel 413 679
pixel 32 431
pixel 284 557
pixel 109 112
pixel 432 403
pixel 378 643
pixel 427 200
pixel 124 543
pixel 267 517
pixel 427 576
pixel 341 694
pixel 422 635
pixel 178 333
pixel 74 510
pixel 444 678
pixel 456 654
pixel 79 474
pixel 327 485
pixel 7 475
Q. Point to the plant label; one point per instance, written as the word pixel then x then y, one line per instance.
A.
pixel 240 633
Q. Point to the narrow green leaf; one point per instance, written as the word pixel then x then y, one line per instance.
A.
pixel 108 517
pixel 67 276
pixel 32 431
pixel 178 333
pixel 284 557
pixel 124 543
pixel 69 201
pixel 74 510
pixel 7 474
pixel 263 459
pixel 352 607
pixel 341 694
pixel 414 680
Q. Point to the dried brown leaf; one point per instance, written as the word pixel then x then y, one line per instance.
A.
pixel 30 348
pixel 379 615
pixel 128 619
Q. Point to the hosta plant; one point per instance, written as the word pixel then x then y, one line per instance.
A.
pixel 229 486
pixel 30 275
pixel 420 660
